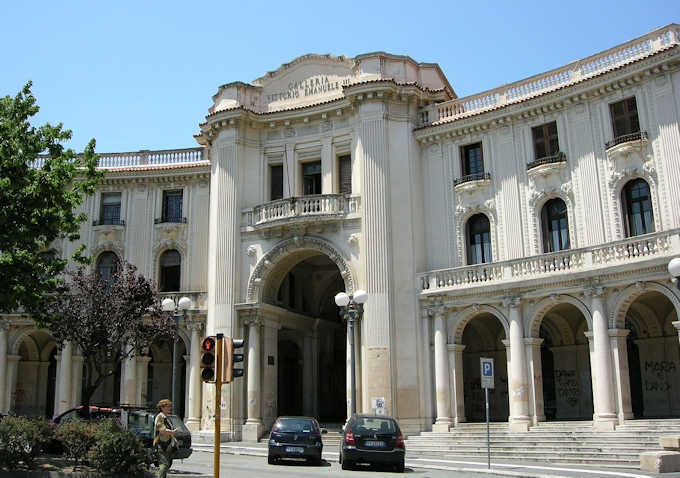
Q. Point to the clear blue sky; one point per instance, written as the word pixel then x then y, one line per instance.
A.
pixel 140 75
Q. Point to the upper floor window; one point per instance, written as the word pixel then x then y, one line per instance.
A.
pixel 472 159
pixel 170 269
pixel 545 140
pixel 345 174
pixel 624 117
pixel 107 265
pixel 555 226
pixel 478 239
pixel 637 208
pixel 311 178
pixel 110 209
pixel 275 182
pixel 172 206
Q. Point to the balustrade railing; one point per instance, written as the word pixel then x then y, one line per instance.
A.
pixel 572 73
pixel 555 158
pixel 199 299
pixel 322 205
pixel 141 158
pixel 638 136
pixel 471 177
pixel 557 263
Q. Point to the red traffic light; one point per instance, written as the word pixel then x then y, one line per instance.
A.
pixel 208 359
pixel 208 344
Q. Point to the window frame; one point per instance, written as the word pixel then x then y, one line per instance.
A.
pixel 548 234
pixel 168 193
pixel 106 218
pixel 541 137
pixel 466 162
pixel 163 272
pixel 344 161
pixel 316 177
pixel 271 181
pixel 627 205
pixel 626 116
pixel 485 247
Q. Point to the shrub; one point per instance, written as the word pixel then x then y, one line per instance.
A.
pixel 117 450
pixel 77 437
pixel 21 439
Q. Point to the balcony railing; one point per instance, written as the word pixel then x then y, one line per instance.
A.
pixel 573 73
pixel 108 222
pixel 625 251
pixel 560 157
pixel 142 158
pixel 162 219
pixel 471 177
pixel 626 138
pixel 199 299
pixel 321 207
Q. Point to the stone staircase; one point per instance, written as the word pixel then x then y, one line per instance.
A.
pixel 567 443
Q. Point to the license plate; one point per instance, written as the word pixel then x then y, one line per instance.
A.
pixel 375 444
pixel 295 449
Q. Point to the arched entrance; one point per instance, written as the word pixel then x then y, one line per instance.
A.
pixel 653 356
pixel 33 389
pixel 483 337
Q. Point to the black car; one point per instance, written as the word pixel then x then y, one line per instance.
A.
pixel 295 437
pixel 374 439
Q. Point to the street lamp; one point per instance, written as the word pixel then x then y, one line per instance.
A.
pixel 674 270
pixel 352 308
pixel 169 305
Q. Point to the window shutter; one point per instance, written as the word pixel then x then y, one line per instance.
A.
pixel 345 174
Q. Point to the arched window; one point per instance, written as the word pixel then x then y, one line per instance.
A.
pixel 555 226
pixel 636 201
pixel 107 265
pixel 170 265
pixel 479 239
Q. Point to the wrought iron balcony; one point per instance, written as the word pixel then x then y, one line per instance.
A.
pixel 471 177
pixel 316 208
pixel 162 219
pixel 626 138
pixel 560 157
pixel 109 221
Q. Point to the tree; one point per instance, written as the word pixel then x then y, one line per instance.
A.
pixel 37 204
pixel 109 319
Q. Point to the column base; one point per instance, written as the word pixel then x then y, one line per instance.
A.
pixel 664 461
pixel 605 424
pixel 441 427
pixel 193 424
pixel 252 431
pixel 519 424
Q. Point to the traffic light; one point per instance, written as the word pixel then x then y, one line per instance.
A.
pixel 208 359
pixel 230 357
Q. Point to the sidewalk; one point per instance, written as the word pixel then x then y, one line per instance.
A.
pixel 525 470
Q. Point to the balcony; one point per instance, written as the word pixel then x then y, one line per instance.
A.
pixel 548 161
pixel 316 208
pixel 175 219
pixel 199 299
pixel 109 221
pixel 632 138
pixel 571 261
pixel 471 182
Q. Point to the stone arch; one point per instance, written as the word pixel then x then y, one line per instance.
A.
pixel 158 249
pixel 619 180
pixel 47 351
pixel 20 337
pixel 272 267
pixel 627 296
pixel 558 328
pixel 462 217
pixel 470 313
pixel 548 303
pixel 108 246
pixel 536 204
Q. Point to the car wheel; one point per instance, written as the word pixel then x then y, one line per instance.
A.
pixel 399 467
pixel 271 460
pixel 346 465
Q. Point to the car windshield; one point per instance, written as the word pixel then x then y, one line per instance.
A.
pixel 295 425
pixel 140 422
pixel 373 425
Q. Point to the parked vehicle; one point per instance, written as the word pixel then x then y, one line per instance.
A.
pixel 295 437
pixel 79 413
pixel 374 439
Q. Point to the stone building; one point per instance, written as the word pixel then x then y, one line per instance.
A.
pixel 531 224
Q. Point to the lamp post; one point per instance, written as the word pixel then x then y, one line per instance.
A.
pixel 179 311
pixel 352 308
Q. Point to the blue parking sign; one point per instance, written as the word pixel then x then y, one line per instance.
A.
pixel 486 372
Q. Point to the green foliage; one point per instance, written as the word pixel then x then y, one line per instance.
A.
pixel 117 450
pixel 38 205
pixel 77 437
pixel 21 440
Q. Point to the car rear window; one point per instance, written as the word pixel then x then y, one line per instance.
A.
pixel 295 425
pixel 178 424
pixel 380 425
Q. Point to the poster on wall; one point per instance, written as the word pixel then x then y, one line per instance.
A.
pixel 378 405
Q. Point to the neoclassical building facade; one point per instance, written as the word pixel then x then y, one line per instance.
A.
pixel 531 224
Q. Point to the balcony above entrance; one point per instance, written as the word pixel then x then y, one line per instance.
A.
pixel 314 209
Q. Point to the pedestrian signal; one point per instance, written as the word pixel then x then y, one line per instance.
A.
pixel 208 359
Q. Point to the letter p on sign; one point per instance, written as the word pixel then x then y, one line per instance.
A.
pixel 486 372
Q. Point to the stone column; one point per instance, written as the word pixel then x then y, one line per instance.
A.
pixel 427 370
pixel 518 389
pixel 536 407
pixel 12 366
pixel 4 389
pixel 64 379
pixel 253 427
pixel 677 327
pixel 601 368
pixel 128 389
pixel 77 372
pixel 143 396
pixel 193 411
pixel 456 366
pixel 624 406
pixel 270 372
pixel 441 374
pixel 328 169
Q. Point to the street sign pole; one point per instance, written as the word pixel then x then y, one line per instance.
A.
pixel 486 375
pixel 218 405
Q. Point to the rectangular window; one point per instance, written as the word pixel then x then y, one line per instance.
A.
pixel 473 162
pixel 345 174
pixel 275 182
pixel 110 210
pixel 172 206
pixel 311 178
pixel 545 140
pixel 624 117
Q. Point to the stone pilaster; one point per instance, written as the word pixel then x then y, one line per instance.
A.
pixel 143 396
pixel 624 407
pixel 426 371
pixel 193 411
pixel 12 367
pixel 253 427
pixel 4 389
pixel 518 388
pixel 64 379
pixel 441 374
pixel 605 413
pixel 536 404
pixel 456 367
pixel 77 378
pixel 676 324
pixel 270 372
pixel 128 388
